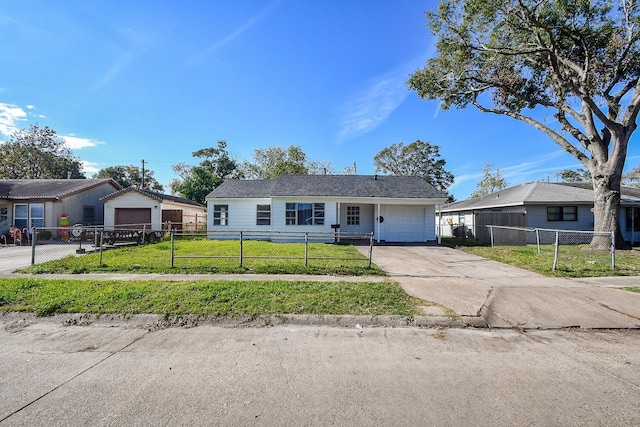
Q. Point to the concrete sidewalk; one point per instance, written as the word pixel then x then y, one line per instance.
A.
pixel 488 293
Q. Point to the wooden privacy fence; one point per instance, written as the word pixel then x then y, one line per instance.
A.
pixel 482 219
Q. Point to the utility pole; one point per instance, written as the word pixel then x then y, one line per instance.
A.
pixel 142 185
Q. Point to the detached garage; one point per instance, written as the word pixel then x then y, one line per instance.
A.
pixel 137 208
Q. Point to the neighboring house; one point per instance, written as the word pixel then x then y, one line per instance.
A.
pixel 143 207
pixel 564 206
pixel 27 203
pixel 394 208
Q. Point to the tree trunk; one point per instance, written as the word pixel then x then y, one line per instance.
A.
pixel 606 210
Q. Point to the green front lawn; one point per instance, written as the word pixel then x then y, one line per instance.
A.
pixel 207 298
pixel 215 256
pixel 573 261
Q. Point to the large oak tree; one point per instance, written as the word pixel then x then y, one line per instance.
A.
pixel 577 60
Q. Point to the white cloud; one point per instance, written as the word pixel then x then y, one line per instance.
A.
pixel 373 104
pixel 201 56
pixel 518 173
pixel 76 143
pixel 89 168
pixel 10 115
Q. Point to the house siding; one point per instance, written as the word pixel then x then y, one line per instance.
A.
pixel 537 218
pixel 241 214
pixel 367 218
pixel 278 216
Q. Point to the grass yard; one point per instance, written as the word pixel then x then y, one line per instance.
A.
pixel 223 257
pixel 574 261
pixel 207 298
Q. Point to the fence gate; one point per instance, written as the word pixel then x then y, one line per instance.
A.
pixel 505 218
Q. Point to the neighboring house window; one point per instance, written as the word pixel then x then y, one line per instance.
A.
pixel 28 215
pixel 220 214
pixel 304 214
pixel 263 215
pixel 633 218
pixel 562 213
pixel 88 215
pixel 353 215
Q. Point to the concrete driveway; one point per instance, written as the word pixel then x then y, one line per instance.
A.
pixel 488 293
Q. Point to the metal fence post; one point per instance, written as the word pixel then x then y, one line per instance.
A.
pixel 172 248
pixel 555 257
pixel 370 249
pixel 241 254
pixel 613 249
pixel 491 234
pixel 306 249
pixel 34 237
pixel 538 240
pixel 101 245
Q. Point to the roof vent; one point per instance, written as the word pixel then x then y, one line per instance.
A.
pixel 375 177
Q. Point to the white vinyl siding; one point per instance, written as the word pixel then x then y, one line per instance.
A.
pixel 242 214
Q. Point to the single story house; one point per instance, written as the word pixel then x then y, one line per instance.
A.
pixel 151 209
pixel 28 203
pixel 548 205
pixel 394 208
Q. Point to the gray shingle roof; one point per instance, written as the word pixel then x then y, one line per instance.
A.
pixel 48 188
pixel 535 193
pixel 154 195
pixel 330 186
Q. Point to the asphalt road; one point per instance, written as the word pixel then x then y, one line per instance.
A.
pixel 109 374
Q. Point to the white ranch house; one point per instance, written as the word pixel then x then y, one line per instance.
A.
pixel 394 208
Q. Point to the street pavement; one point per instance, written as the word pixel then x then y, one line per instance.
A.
pixel 118 374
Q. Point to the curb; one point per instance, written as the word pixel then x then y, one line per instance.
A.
pixel 15 320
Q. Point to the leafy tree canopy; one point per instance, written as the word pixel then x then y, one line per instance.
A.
pixel 578 61
pixel 130 176
pixel 269 163
pixel 419 158
pixel 196 182
pixel 492 181
pixel 632 178
pixel 38 153
pixel 577 175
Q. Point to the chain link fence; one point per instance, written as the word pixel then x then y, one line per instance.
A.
pixel 568 247
pixel 204 251
pixel 244 248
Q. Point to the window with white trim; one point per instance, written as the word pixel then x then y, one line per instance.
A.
pixel 353 215
pixel 263 215
pixel 304 214
pixel 28 215
pixel 220 214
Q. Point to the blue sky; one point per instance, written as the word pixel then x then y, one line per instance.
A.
pixel 123 81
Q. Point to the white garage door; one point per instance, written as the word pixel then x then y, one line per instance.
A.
pixel 405 224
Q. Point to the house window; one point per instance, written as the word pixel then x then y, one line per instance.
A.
pixel 633 218
pixel 28 215
pixel 304 214
pixel 88 215
pixel 353 215
pixel 263 215
pixel 562 213
pixel 220 214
